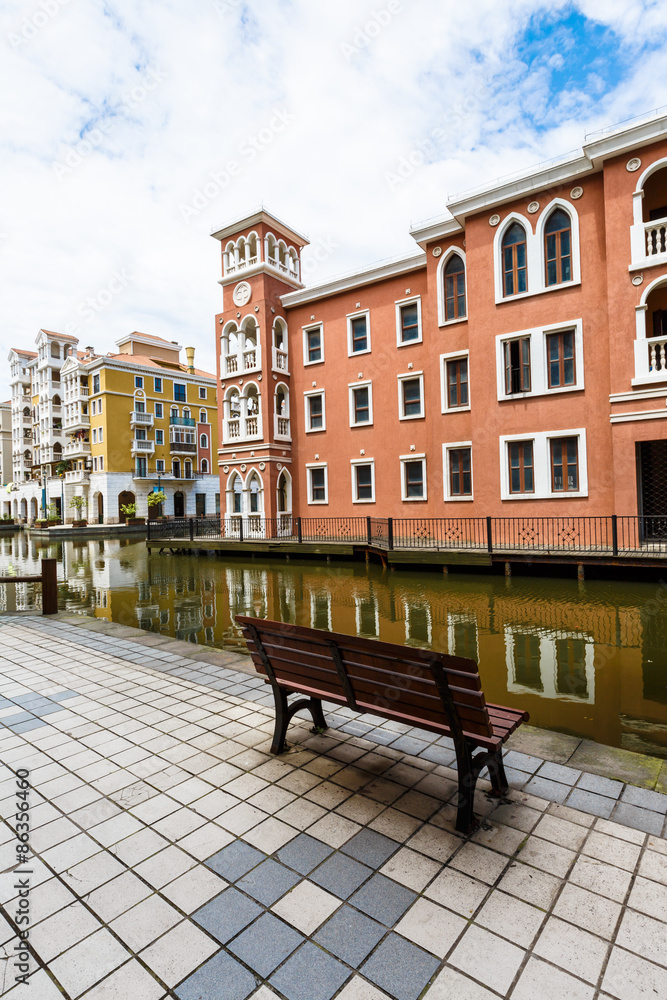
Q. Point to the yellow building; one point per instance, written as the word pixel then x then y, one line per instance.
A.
pixel 113 428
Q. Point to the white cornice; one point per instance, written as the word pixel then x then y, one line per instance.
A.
pixel 165 373
pixel 259 215
pixel 158 343
pixel 261 268
pixel 426 232
pixel 377 272
pixel 625 138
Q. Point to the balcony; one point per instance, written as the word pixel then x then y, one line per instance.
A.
pixel 140 419
pixel 279 360
pixel 182 422
pixel 246 361
pixel 182 448
pixel 76 449
pixel 80 422
pixel 281 426
pixel 238 429
pixel 648 241
pixel 143 447
pixel 77 476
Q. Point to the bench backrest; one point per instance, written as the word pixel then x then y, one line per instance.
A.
pixel 416 686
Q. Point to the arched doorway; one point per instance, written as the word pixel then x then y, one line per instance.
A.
pixel 179 504
pixel 33 508
pixel 124 498
pixel 284 503
pixel 100 508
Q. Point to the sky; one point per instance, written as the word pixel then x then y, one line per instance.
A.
pixel 129 131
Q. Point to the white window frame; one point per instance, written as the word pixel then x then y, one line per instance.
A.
pixel 159 465
pixel 159 436
pixel 400 303
pixel 202 392
pixel 539 361
pixel 159 411
pixel 100 435
pixel 93 408
pixel 203 438
pixel 440 285
pixel 138 381
pixel 354 462
pixel 357 315
pixel 535 262
pixel 448 495
pixel 405 377
pixel 541 441
pixel 309 329
pixel 309 467
pixel 99 405
pixel 306 407
pixel 444 358
pixel 155 384
pixel 94 441
pixel 403 459
pixel 352 386
pixel 181 385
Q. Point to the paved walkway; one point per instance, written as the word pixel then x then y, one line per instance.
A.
pixel 173 856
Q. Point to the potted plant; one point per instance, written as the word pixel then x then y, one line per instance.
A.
pixel 78 503
pixel 155 501
pixel 50 517
pixel 130 510
pixel 7 519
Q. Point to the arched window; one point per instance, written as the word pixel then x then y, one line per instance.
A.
pixel 237 495
pixel 174 411
pixel 514 260
pixel 455 288
pixel 187 471
pixel 254 496
pixel 56 400
pixel 558 248
pixel 204 466
pixel 55 350
pixel 203 441
pixel 203 417
pixel 186 413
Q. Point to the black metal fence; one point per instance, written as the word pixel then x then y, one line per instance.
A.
pixel 613 535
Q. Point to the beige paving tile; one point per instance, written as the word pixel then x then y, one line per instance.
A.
pixel 360 809
pixel 572 948
pixel 194 888
pixel 306 906
pixel 130 980
pixel 145 922
pixel 505 839
pixel 139 846
pixel 334 830
pixel 241 818
pixel 480 862
pixel 88 962
pixel 301 813
pixel 40 987
pixel 653 865
pixel 62 930
pixel 511 918
pixel 436 843
pixel 178 824
pixel 270 835
pixel 70 852
pixel 490 959
pixel 164 867
pixel 273 798
pixel 546 856
pixel 571 815
pixel 51 834
pixel 48 898
pixel 457 891
pixel 602 878
pixel 178 952
pixel 205 841
pixel 356 989
pixel 529 884
pixel 622 832
pixel 539 979
pixel 612 851
pixel 649 897
pixel 560 831
pixel 629 977
pixel 92 873
pixel 411 869
pixel 118 828
pixel 594 913
pixel 431 927
pixel 452 985
pixel 399 826
pixel 417 804
pixel 117 896
pixel 644 936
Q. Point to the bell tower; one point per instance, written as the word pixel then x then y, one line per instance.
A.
pixel 261 261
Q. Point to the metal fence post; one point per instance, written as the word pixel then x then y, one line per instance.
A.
pixel 49 586
pixel 390 532
pixel 614 533
pixel 489 534
pixel 299 534
pixel 148 529
pixel 192 528
pixel 240 529
pixel 369 538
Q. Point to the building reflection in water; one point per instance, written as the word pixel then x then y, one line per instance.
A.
pixel 587 659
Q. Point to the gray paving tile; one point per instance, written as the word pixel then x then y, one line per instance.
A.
pixel 408 744
pixel 602 786
pixel 400 968
pixel 266 944
pixel 268 882
pixel 438 755
pixel 304 853
pixel 515 779
pixel 371 848
pixel 543 788
pixel 310 974
pixel 382 736
pixel 341 875
pixel 236 860
pixel 221 978
pixel 383 899
pixel 350 935
pixel 558 772
pixel 522 761
pixel 589 802
pixel 645 799
pixel 639 819
pixel 227 914
pixel 26 727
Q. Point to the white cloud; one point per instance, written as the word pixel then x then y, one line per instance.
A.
pixel 114 118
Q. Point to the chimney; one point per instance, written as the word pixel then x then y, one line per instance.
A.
pixel 190 355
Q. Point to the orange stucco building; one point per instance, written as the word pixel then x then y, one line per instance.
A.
pixel 516 365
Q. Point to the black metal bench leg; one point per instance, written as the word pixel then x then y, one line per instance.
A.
pixel 497 774
pixel 319 722
pixel 282 719
pixel 465 797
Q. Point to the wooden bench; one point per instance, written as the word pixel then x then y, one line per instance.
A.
pixel 418 687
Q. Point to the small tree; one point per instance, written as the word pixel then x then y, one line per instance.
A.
pixel 129 509
pixel 156 498
pixel 52 512
pixel 78 503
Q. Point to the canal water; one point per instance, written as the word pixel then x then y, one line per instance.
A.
pixel 585 658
